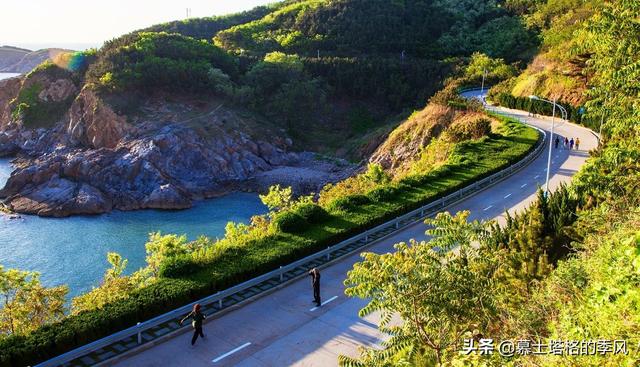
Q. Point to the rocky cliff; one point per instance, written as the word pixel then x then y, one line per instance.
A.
pixel 95 159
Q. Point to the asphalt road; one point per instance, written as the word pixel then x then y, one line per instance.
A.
pixel 284 329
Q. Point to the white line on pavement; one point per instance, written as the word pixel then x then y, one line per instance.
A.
pixel 523 186
pixel 487 208
pixel 324 303
pixel 507 196
pixel 231 352
pixel 537 176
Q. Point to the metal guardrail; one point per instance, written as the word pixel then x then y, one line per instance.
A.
pixel 366 238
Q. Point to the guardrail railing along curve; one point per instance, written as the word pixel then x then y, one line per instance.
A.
pixel 366 238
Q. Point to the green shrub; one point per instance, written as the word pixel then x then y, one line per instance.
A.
pixel 312 213
pixel 177 266
pixel 348 203
pixel 382 194
pixel 289 222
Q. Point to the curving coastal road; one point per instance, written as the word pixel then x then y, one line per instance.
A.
pixel 284 329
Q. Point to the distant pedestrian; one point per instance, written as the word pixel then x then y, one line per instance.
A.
pixel 566 142
pixel 557 142
pixel 196 317
pixel 577 143
pixel 315 281
pixel 571 144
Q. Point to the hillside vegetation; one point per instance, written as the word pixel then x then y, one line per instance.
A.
pixel 321 70
pixel 560 69
pixel 567 269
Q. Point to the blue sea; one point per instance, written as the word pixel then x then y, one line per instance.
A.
pixel 73 250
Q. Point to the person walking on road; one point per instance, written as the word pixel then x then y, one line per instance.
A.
pixel 571 144
pixel 557 142
pixel 577 143
pixel 566 142
pixel 315 281
pixel 197 317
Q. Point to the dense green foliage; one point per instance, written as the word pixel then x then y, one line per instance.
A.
pixel 26 304
pixel 151 61
pixel 204 267
pixel 207 28
pixel 352 28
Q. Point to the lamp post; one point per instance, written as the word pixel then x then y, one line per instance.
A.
pixel 484 74
pixel 602 121
pixel 553 120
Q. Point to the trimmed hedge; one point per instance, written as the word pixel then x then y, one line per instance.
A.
pixel 312 213
pixel 185 280
pixel 289 221
pixel 348 203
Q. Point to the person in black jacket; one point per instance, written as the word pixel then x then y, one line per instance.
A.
pixel 315 281
pixel 197 317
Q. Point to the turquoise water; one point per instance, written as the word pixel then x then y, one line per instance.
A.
pixel 73 250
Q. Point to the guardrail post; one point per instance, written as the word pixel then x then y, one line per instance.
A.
pixel 397 224
pixel 328 253
pixel 139 334
pixel 421 212
pixel 366 238
pixel 281 275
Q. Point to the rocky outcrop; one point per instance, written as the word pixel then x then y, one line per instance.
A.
pixel 94 124
pixel 9 89
pixel 95 160
pixel 166 166
pixel 405 142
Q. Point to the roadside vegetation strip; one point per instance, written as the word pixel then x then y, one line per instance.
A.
pixel 187 280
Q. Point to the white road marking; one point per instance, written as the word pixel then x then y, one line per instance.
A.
pixel 487 208
pixel 231 352
pixel 324 303
pixel 537 176
pixel 523 186
pixel 507 196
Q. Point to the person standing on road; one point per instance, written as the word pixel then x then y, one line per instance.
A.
pixel 566 142
pixel 577 143
pixel 315 281
pixel 197 317
pixel 557 142
pixel 571 144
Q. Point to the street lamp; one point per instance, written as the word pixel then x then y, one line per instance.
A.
pixel 553 120
pixel 484 74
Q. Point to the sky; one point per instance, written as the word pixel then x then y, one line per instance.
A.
pixel 88 23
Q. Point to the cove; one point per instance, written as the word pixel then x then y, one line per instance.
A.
pixel 73 250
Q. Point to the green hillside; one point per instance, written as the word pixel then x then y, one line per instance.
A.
pixel 382 57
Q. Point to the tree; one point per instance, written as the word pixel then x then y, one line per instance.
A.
pixel 376 174
pixel 115 286
pixel 160 247
pixel 26 303
pixel 440 289
pixel 278 198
